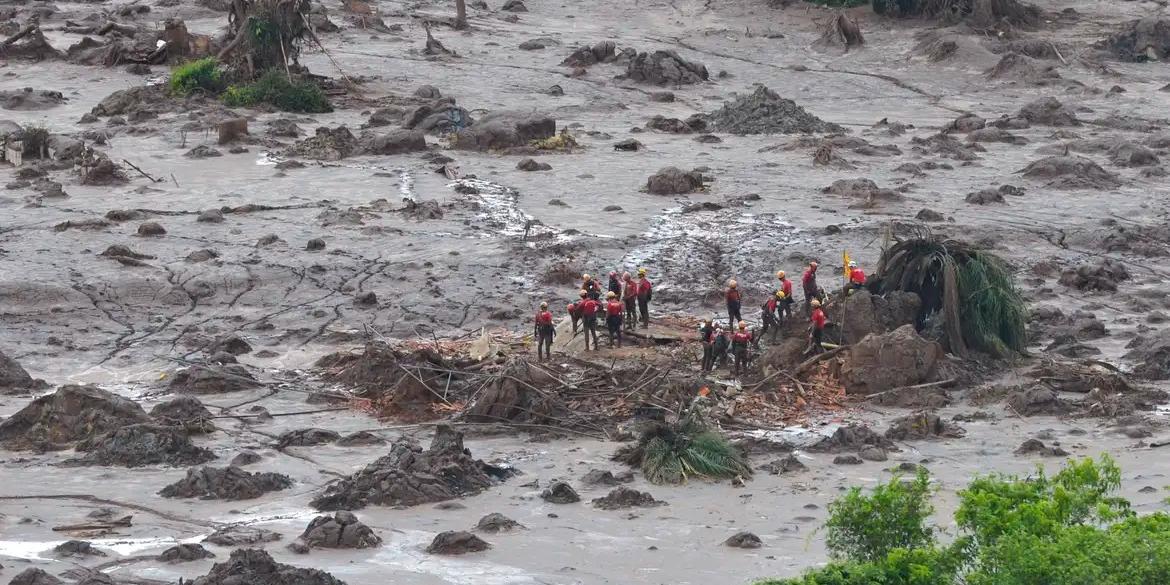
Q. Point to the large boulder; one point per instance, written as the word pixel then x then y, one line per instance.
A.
pixel 504 130
pixel 71 414
pixel 33 576
pixel 341 530
pixel 1151 354
pixel 256 567
pixel 864 313
pixel 14 378
pixel 409 476
pixel 890 360
pixel 225 483
pixel 186 412
pixel 395 142
pixel 665 68
pixel 142 444
pixel 674 181
pixel 213 379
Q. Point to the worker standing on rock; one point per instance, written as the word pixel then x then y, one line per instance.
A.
pixel 818 321
pixel 739 346
pixel 630 296
pixel 589 309
pixel 544 333
pixel 613 317
pixel 809 282
pixel 771 311
pixel 645 292
pixel 591 287
pixel 575 311
pixel 615 285
pixel 734 303
pixel 707 336
pixel 786 288
pixel 856 278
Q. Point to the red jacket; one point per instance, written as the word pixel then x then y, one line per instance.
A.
pixel 629 289
pixel 614 308
pixel 733 295
pixel 809 280
pixel 544 318
pixel 786 286
pixel 856 276
pixel 574 309
pixel 818 318
pixel 771 305
pixel 741 338
pixel 644 286
pixel 589 307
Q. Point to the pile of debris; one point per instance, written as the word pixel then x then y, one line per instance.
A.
pixel 68 416
pixel 142 444
pixel 398 382
pixel 225 483
pixel 765 112
pixel 256 567
pixel 341 530
pixel 665 68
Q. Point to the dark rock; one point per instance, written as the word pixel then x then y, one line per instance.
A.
pixel 341 530
pixel 283 128
pixel 967 123
pixel 605 477
pixel 708 139
pixel 873 454
pixel 1037 401
pixel 428 92
pixel 69 415
pixel 496 523
pixel 787 464
pixel 225 483
pixel 847 460
pixel 514 6
pixel 691 125
pixel 35 577
pixel 1048 112
pixel 142 444
pixel 744 540
pixel 662 96
pixel 923 425
pixel 77 548
pixel 186 412
pixel 213 379
pixel 210 216
pixel 765 112
pixel 315 245
pixel 151 228
pixel 1138 41
pixel 395 142
pixel 559 492
pixel 238 535
pixel 628 145
pixel 504 130
pixel 851 437
pixel 14 378
pixel 246 457
pixel 307 438
pixel 409 476
pixel 360 439
pixel 256 567
pixel 327 144
pixel 457 543
pixel 537 44
pixel 230 344
pixel 1035 446
pixel 623 497
pixel 673 181
pixel 665 68
pixel 531 165
pixel 367 299
pixel 1103 276
pixel 185 553
pixel 203 151
pixel 930 215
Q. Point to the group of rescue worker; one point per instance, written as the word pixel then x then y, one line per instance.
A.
pixel 627 303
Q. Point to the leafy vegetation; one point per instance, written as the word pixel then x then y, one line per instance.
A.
pixel 675 453
pixel 1065 530
pixel 275 88
pixel 201 74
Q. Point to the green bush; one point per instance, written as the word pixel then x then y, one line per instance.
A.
pixel 1065 530
pixel 275 88
pixel 867 528
pixel 203 74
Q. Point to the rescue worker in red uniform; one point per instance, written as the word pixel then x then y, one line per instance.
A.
pixel 856 278
pixel 630 296
pixel 615 285
pixel 575 311
pixel 809 283
pixel 739 346
pixel 734 303
pixel 589 310
pixel 613 317
pixel 591 287
pixel 818 321
pixel 786 288
pixel 720 346
pixel 645 292
pixel 544 333
pixel 707 336
pixel 771 311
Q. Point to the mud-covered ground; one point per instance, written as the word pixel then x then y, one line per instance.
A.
pixel 71 315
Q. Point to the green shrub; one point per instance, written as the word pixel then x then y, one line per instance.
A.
pixel 203 74
pixel 867 528
pixel 275 88
pixel 923 566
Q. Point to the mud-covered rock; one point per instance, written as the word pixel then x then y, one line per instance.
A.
pixel 1103 275
pixel 394 142
pixel 606 477
pixel 848 459
pixel 225 483
pixel 503 131
pixel 33 576
pixel 185 553
pixel 1037 447
pixel 851 437
pixel 307 438
pixel 665 68
pixel 1071 172
pixel 1151 354
pixel 923 425
pixel 133 100
pixel 327 144
pixel 142 444
pixel 674 181
pixel 360 439
pixel 532 165
pixel 1128 154
pixel 623 497
pixel 457 543
pixel 71 414
pixel 628 145
pixel 186 412
pixel 409 476
pixel 202 151
pixel 151 229
pixel 14 378
pixel 1037 400
pixel 865 313
pixel 240 535
pixel 787 464
pixel 765 112
pixel 864 190
pixel 984 197
pixel 890 360
pixel 559 492
pixel 495 523
pixel 744 540
pixel 213 379
pixel 77 548
pixel 1048 112
pixel 695 123
pixel 256 567
pixel 246 457
pixel 1146 39
pixel 873 454
pixel 341 530
pixel 967 123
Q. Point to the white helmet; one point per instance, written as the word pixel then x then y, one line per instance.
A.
pixel 852 264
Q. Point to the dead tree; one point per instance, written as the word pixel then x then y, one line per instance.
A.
pixel 265 34
pixel 460 14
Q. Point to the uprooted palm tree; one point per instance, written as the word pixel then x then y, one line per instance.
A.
pixel 973 291
pixel 673 453
pixel 265 34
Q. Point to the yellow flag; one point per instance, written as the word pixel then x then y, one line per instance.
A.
pixel 845 259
